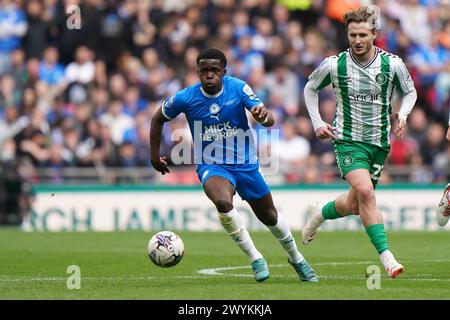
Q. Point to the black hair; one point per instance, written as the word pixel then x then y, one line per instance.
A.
pixel 212 53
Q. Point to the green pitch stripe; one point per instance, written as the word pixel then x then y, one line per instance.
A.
pixel 385 70
pixel 342 76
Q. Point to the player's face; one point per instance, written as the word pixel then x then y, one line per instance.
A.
pixel 211 73
pixel 361 37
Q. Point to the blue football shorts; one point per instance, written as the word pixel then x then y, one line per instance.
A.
pixel 246 179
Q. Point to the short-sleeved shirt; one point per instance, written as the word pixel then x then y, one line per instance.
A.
pixel 218 123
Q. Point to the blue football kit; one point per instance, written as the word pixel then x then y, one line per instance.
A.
pixel 223 142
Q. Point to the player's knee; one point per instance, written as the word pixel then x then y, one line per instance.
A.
pixel 223 205
pixel 269 217
pixel 354 208
pixel 365 194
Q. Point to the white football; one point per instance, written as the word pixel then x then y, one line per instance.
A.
pixel 165 249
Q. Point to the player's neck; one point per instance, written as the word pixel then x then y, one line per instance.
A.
pixel 366 58
pixel 212 91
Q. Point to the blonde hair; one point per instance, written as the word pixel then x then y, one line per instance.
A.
pixel 364 14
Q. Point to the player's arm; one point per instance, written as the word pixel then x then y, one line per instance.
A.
pixel 404 83
pixel 263 116
pixel 158 162
pixel 170 108
pixel 256 107
pixel 319 79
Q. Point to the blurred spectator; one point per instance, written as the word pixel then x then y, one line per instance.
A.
pixel 433 64
pixel 117 120
pixel 434 144
pixel 292 150
pixel 402 150
pixel 82 69
pixel 38 33
pixel 9 92
pixel 89 150
pixel 444 35
pixel 414 22
pixel 417 123
pixel 11 124
pixel 115 36
pixel 246 58
pixel 50 70
pixel 13 26
pixel 144 31
pixel 284 83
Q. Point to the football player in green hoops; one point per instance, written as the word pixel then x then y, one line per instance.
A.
pixel 443 211
pixel 364 78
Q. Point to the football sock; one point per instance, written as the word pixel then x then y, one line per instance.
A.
pixel 388 260
pixel 329 211
pixel 378 237
pixel 234 225
pixel 282 232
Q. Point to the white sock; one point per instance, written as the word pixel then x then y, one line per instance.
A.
pixel 388 260
pixel 233 224
pixel 282 232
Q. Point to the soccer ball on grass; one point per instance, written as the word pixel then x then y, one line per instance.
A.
pixel 165 249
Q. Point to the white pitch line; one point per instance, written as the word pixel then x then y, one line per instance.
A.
pixel 217 271
pixel 206 273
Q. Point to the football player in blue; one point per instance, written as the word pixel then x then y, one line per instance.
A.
pixel 225 156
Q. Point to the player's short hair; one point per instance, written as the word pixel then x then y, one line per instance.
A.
pixel 212 53
pixel 364 14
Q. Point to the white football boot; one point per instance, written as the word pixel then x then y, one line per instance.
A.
pixel 315 219
pixel 443 211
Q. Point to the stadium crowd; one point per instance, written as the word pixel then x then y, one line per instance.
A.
pixel 78 88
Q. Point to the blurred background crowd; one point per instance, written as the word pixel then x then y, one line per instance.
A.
pixel 78 88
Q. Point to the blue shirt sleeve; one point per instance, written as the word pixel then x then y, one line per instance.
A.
pixel 249 98
pixel 173 106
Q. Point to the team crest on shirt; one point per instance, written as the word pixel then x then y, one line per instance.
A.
pixel 214 108
pixel 381 78
pixel 348 160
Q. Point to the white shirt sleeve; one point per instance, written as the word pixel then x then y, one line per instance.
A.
pixel 312 104
pixel 408 101
pixel 317 80
pixel 404 83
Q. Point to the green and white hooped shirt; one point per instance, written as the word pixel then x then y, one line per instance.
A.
pixel 364 94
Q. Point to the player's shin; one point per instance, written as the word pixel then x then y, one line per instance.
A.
pixel 329 211
pixel 235 227
pixel 378 237
pixel 283 234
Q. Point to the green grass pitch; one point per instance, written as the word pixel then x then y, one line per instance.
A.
pixel 116 266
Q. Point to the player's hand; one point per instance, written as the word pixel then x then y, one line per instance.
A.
pixel 259 113
pixel 401 126
pixel 448 133
pixel 160 165
pixel 324 133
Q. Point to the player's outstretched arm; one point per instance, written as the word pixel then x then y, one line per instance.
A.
pixel 322 129
pixel 159 163
pixel 448 133
pixel 263 116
